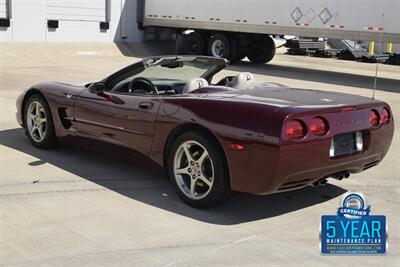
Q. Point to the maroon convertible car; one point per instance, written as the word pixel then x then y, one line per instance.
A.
pixel 214 137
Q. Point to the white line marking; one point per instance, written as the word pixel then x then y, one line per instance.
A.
pixel 212 250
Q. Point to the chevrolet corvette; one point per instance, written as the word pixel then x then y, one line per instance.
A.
pixel 214 137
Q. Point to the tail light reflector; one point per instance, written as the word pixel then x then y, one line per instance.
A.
pixel 374 119
pixel 385 116
pixel 295 129
pixel 319 126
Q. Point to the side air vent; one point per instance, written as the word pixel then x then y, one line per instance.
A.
pixel 64 118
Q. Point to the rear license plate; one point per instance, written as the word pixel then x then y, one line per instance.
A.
pixel 345 144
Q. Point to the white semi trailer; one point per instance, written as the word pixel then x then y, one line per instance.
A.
pixel 235 29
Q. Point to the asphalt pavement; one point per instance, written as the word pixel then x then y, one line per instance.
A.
pixel 80 207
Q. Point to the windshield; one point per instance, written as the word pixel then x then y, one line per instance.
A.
pixel 176 69
pixel 185 71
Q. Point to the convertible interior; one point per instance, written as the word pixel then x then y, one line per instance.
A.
pixel 152 86
pixel 178 73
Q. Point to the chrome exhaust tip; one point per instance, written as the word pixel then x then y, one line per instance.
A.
pixel 319 183
pixel 341 175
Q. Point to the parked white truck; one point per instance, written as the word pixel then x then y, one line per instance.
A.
pixel 235 29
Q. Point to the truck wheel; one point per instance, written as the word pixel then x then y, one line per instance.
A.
pixel 262 49
pixel 198 170
pixel 236 53
pixel 222 46
pixel 194 44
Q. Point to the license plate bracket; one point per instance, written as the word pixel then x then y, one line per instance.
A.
pixel 346 144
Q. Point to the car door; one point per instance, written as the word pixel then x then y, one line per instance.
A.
pixel 122 119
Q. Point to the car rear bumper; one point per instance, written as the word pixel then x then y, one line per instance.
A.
pixel 303 178
pixel 268 169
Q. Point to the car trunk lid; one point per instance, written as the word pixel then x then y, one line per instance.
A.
pixel 292 97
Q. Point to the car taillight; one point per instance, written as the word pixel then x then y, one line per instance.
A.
pixel 295 129
pixel 385 116
pixel 319 126
pixel 374 119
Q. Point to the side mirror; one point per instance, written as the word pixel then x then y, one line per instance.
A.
pixel 97 88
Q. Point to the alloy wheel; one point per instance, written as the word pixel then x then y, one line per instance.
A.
pixel 193 170
pixel 36 121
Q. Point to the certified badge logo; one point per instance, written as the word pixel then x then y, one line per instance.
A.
pixel 353 206
pixel 353 230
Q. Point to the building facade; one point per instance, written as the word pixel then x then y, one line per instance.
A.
pixel 69 21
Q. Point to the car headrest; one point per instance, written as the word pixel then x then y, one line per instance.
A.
pixel 194 84
pixel 244 80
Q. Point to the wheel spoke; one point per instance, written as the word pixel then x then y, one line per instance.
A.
pixel 42 120
pixel 205 180
pixel 40 132
pixel 202 157
pixel 36 108
pixel 187 153
pixel 184 170
pixel 31 116
pixel 193 186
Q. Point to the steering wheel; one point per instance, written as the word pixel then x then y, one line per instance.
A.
pixel 142 85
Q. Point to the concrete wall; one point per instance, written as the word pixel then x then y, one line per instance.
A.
pixel 78 21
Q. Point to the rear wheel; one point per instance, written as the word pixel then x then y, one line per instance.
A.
pixel 197 169
pixel 262 49
pixel 236 53
pixel 38 123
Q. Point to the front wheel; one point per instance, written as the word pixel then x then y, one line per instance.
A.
pixel 39 122
pixel 197 169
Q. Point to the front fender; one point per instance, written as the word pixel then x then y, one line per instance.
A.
pixel 59 97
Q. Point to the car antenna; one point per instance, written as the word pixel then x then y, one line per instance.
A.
pixel 375 81
pixel 377 64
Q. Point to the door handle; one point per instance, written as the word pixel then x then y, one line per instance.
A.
pixel 146 105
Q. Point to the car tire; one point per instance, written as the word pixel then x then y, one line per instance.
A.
pixel 262 49
pixel 202 179
pixel 194 44
pixel 38 122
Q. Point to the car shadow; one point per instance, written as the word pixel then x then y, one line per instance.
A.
pixel 320 76
pixel 142 180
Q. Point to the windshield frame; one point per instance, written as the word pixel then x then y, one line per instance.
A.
pixel 135 69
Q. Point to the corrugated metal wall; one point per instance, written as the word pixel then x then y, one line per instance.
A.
pixel 3 9
pixel 78 21
pixel 76 10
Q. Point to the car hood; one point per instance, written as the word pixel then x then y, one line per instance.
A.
pixel 59 87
